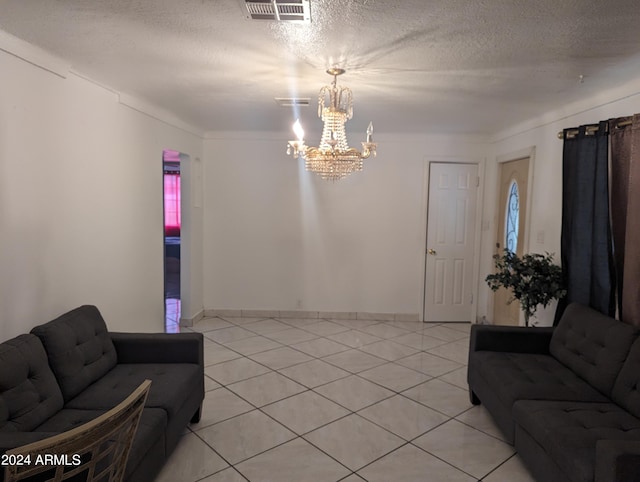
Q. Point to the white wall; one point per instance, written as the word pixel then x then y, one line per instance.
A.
pixel 279 238
pixel 81 202
pixel 546 207
pixel 81 215
pixel 191 237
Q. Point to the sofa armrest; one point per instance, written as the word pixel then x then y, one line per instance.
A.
pixel 514 339
pixel 159 347
pixel 617 461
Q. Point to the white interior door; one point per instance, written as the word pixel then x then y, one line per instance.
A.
pixel 453 190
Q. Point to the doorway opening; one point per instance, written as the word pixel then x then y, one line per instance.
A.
pixel 172 225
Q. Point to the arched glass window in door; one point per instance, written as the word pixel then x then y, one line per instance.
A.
pixel 512 218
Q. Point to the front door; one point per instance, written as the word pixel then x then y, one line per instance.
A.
pixel 453 190
pixel 512 215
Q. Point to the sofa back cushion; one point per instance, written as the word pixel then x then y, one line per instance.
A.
pixel 79 348
pixel 626 391
pixel 29 392
pixel 594 346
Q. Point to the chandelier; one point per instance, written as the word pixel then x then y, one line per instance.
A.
pixel 333 159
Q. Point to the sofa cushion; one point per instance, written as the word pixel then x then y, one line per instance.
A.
pixel 172 384
pixel 569 431
pixel 592 345
pixel 29 392
pixel 79 348
pixel 529 376
pixel 626 391
pixel 67 419
pixel 150 435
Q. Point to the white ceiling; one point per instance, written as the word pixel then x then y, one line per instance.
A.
pixel 414 65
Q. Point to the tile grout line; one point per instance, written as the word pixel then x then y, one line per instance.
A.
pixel 384 362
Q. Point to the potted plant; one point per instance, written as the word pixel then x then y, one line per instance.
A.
pixel 533 280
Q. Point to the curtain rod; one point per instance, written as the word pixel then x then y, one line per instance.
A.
pixel 591 129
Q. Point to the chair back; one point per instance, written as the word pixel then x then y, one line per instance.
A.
pixel 94 452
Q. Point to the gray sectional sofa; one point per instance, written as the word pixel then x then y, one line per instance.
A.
pixel 70 370
pixel 567 397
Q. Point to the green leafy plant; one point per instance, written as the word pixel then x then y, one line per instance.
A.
pixel 533 280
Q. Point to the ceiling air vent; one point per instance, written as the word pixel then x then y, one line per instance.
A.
pixel 279 10
pixel 292 101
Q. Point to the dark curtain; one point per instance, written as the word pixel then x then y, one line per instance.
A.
pixel 586 246
pixel 625 214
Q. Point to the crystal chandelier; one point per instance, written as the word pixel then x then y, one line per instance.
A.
pixel 333 159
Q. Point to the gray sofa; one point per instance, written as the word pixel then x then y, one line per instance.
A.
pixel 567 397
pixel 70 370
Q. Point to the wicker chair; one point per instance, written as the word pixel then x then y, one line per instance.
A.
pixel 94 452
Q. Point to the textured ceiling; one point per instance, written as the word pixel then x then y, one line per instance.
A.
pixel 415 65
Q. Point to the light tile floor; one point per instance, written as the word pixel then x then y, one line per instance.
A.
pixel 338 400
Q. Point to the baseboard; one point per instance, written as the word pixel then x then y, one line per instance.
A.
pixel 188 322
pixel 305 314
pixel 222 313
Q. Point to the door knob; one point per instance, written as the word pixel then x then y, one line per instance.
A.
pixel 432 252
